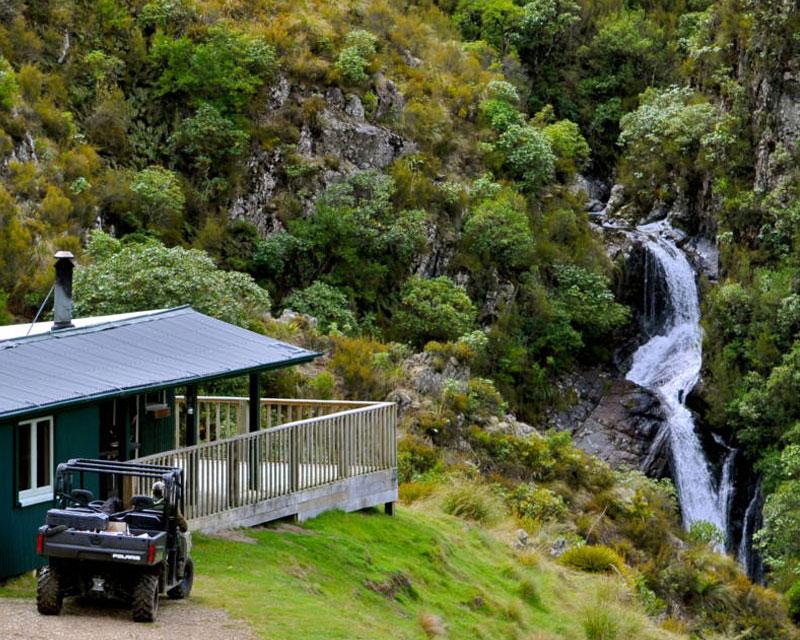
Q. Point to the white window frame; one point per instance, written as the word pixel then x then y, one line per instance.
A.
pixel 37 495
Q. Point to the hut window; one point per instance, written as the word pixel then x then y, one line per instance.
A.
pixel 35 461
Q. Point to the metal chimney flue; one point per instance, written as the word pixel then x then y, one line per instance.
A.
pixel 62 307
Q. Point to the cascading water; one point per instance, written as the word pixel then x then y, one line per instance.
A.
pixel 669 364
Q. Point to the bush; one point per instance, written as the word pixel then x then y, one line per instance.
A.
pixel 415 457
pixel 593 559
pixel 528 155
pixel 499 233
pixel 435 309
pixel 122 278
pixel 472 501
pixel 793 601
pixel 536 503
pixel 328 305
pixel 159 200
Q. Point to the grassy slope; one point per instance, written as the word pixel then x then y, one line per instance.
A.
pixel 311 582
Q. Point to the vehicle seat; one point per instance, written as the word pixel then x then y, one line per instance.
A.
pixel 141 502
pixel 146 521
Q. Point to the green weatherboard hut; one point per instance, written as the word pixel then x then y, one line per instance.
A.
pixel 105 387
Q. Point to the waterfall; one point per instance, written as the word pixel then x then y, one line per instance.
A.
pixel 669 364
pixel 748 560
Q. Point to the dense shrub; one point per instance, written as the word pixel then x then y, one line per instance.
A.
pixel 536 503
pixel 121 277
pixel 434 309
pixel 329 306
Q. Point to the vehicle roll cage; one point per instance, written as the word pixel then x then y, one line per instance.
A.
pixel 171 476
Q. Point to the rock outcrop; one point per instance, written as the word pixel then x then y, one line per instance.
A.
pixel 338 141
pixel 614 419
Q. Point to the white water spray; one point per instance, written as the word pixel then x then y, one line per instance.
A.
pixel 669 364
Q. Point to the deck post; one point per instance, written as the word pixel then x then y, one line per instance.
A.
pixel 255 402
pixel 192 416
pixel 253 457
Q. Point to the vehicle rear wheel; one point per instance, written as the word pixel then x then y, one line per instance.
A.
pixel 145 598
pixel 183 589
pixel 49 596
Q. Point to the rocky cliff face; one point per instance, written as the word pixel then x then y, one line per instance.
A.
pixel 614 419
pixel 339 140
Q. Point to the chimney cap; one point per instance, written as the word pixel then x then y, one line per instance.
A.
pixel 63 254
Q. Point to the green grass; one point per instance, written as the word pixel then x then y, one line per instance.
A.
pixel 23 586
pixel 369 576
pixel 325 581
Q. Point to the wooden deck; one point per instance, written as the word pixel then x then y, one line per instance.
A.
pixel 313 456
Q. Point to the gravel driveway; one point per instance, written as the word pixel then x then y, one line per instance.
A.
pixel 81 620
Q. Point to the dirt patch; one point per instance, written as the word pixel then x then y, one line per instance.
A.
pixel 288 527
pixel 233 535
pixel 81 619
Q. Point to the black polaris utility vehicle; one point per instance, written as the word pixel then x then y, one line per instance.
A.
pixel 99 549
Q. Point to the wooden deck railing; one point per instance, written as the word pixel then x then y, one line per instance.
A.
pixel 225 416
pixel 314 443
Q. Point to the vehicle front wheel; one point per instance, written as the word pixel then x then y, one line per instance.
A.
pixel 49 596
pixel 145 598
pixel 184 588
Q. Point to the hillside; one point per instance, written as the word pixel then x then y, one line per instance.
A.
pixel 482 210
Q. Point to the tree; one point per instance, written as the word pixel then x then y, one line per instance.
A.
pixel 499 232
pixel 663 141
pixel 434 309
pixel 123 277
pixel 159 200
pixel 528 155
pixel 225 70
pixel 325 303
pixel 494 21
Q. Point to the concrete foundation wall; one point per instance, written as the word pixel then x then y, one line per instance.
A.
pixel 350 494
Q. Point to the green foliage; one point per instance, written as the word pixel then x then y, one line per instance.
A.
pixel 356 240
pixel 8 84
pixel 600 623
pixel 159 200
pixel 208 137
pixel 224 70
pixel 528 155
pixel 140 276
pixel 702 532
pixel 569 147
pixel 663 141
pixel 327 304
pixel 593 559
pixel 587 301
pixel 433 309
pixel 415 458
pixel 5 316
pixel 493 21
pixel 472 501
pixel 354 59
pixel 498 233
pixel 536 503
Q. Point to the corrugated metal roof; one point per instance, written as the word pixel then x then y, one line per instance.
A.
pixel 173 347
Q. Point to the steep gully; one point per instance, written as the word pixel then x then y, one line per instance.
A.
pixel 669 364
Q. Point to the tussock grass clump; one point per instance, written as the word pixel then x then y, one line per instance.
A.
pixel 600 623
pixel 529 591
pixel 593 559
pixel 473 501
pixel 432 625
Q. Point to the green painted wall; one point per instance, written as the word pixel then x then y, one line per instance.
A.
pixel 75 436
pixel 158 434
